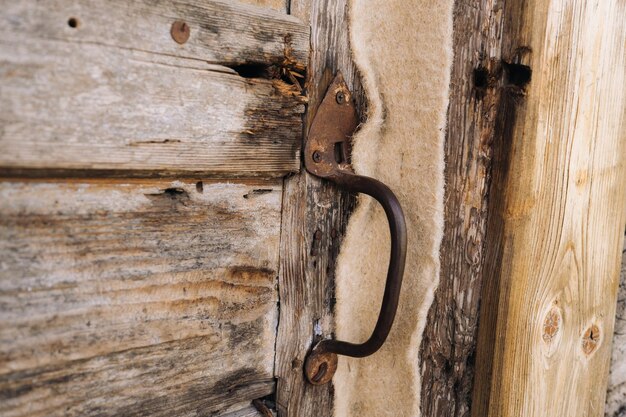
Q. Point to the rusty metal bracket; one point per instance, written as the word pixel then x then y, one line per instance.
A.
pixel 326 155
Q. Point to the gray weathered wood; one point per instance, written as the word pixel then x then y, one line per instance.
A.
pixel 117 95
pixel 314 219
pixel 616 395
pixel 248 411
pixel 450 337
pixel 137 298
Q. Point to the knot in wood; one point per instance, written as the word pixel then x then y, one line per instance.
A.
pixel 591 339
pixel 551 325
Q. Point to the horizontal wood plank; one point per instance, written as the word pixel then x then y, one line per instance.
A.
pixel 222 32
pixel 249 411
pixel 116 95
pixel 137 297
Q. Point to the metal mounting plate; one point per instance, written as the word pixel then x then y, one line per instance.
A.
pixel 327 148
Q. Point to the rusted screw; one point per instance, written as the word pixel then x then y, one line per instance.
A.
pixel 180 31
pixel 317 157
pixel 340 97
pixel 320 367
pixel 321 372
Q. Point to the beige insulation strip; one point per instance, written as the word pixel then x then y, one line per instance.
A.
pixel 403 50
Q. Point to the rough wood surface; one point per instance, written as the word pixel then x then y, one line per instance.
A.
pixel 137 298
pixel 314 220
pixel 272 4
pixel 248 411
pixel 449 343
pixel 116 94
pixel 557 220
pixel 616 394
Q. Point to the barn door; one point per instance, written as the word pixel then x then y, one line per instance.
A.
pixel 143 147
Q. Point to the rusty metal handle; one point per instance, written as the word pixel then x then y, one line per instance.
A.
pixel 333 126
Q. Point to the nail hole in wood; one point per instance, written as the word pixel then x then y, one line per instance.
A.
pixel 199 187
pixel 481 77
pixel 72 22
pixel 517 74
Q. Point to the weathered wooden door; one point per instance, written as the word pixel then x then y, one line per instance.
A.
pixel 143 147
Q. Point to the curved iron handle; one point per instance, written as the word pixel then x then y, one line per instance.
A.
pixel 331 130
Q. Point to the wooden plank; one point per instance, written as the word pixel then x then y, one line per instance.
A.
pixel 616 393
pixel 315 215
pixel 248 411
pixel 116 95
pixel 555 237
pixel 137 298
pixel 450 336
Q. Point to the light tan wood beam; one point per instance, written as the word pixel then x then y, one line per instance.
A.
pixel 556 227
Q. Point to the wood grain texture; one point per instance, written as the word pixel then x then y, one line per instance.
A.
pixel 556 232
pixel 137 298
pixel 272 4
pixel 450 337
pixel 616 393
pixel 116 95
pixel 248 411
pixel 315 215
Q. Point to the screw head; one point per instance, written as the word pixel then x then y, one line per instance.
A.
pixel 180 31
pixel 317 157
pixel 320 367
pixel 340 97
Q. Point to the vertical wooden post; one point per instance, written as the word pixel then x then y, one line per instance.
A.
pixel 449 343
pixel 315 215
pixel 558 211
